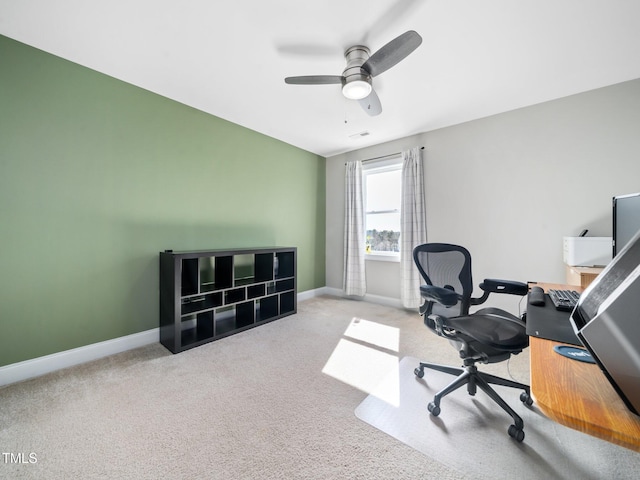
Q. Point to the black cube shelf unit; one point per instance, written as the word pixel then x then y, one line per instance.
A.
pixel 206 295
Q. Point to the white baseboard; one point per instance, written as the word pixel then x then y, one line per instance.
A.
pixel 308 294
pixel 17 372
pixel 35 367
pixel 380 300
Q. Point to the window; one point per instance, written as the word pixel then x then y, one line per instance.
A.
pixel 382 190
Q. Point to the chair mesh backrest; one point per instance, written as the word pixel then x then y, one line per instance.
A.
pixel 448 266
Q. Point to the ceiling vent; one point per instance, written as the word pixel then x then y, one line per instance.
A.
pixel 359 135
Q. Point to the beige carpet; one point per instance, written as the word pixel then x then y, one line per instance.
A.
pixel 471 432
pixel 274 402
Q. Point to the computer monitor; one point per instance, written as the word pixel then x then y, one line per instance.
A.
pixel 626 219
pixel 606 319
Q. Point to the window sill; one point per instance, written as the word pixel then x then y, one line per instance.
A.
pixel 383 257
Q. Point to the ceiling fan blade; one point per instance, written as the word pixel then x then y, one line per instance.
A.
pixel 314 80
pixel 371 104
pixel 392 53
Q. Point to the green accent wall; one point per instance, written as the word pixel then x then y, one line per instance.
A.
pixel 97 176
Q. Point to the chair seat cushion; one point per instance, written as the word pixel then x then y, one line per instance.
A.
pixel 493 327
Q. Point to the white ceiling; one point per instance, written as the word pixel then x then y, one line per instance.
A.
pixel 229 58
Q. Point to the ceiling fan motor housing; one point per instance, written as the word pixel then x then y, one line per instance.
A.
pixel 357 82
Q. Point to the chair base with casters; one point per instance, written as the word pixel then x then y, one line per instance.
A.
pixel 472 378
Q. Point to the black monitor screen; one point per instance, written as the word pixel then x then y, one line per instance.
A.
pixel 626 220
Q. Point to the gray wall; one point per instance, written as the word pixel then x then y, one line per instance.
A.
pixel 510 186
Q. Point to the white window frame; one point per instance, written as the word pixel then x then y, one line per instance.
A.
pixel 372 168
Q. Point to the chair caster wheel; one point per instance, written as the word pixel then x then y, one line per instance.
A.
pixel 516 433
pixel 433 409
pixel 526 399
pixel 419 372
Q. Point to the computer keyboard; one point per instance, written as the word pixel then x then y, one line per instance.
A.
pixel 564 299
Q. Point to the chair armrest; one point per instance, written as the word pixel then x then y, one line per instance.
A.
pixel 492 285
pixel 441 295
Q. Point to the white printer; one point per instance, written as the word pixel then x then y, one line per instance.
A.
pixel 587 251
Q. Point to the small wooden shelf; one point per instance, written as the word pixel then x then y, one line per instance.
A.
pixel 582 276
pixel 210 294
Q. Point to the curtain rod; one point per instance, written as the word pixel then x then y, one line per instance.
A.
pixel 383 156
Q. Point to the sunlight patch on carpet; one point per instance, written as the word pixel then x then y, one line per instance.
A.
pixel 363 359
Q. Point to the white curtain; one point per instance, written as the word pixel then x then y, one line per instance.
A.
pixel 413 226
pixel 354 282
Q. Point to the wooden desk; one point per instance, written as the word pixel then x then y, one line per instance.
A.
pixel 578 395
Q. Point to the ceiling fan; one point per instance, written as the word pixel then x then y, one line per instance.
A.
pixel 356 79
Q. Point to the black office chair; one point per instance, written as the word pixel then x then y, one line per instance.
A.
pixel 489 335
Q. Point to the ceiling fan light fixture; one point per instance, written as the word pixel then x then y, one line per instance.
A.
pixel 356 89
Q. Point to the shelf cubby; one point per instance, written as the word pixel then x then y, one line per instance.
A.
pixel 286 264
pixel 207 268
pixel 287 302
pixel 196 329
pixel 224 271
pixel 225 322
pixel 189 276
pixel 243 269
pixel 206 295
pixel 245 314
pixel 201 302
pixel 267 308
pixel 256 291
pixel 235 295
pixel 284 285
pixel 264 267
